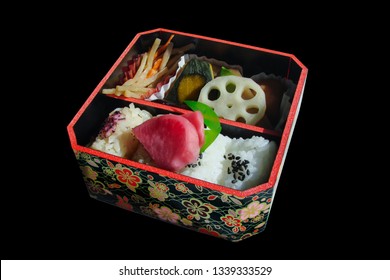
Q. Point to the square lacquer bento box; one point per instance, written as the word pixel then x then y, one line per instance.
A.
pixel 185 201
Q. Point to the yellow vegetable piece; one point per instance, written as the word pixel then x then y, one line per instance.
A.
pixel 190 87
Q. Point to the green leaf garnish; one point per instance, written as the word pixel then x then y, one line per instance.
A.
pixel 229 72
pixel 211 120
pixel 209 136
pixel 225 71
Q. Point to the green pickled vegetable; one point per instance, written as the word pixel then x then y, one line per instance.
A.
pixel 229 72
pixel 211 120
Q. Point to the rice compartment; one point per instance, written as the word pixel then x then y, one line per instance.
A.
pixel 236 163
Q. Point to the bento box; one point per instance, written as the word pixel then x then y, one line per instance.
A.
pixel 194 203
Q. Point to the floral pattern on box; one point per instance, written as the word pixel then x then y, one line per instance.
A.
pixel 181 203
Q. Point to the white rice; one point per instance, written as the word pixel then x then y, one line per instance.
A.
pixel 122 142
pixel 209 164
pixel 235 162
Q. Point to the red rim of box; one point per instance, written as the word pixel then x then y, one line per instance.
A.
pixel 284 141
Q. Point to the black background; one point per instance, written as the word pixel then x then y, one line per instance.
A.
pixel 326 205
